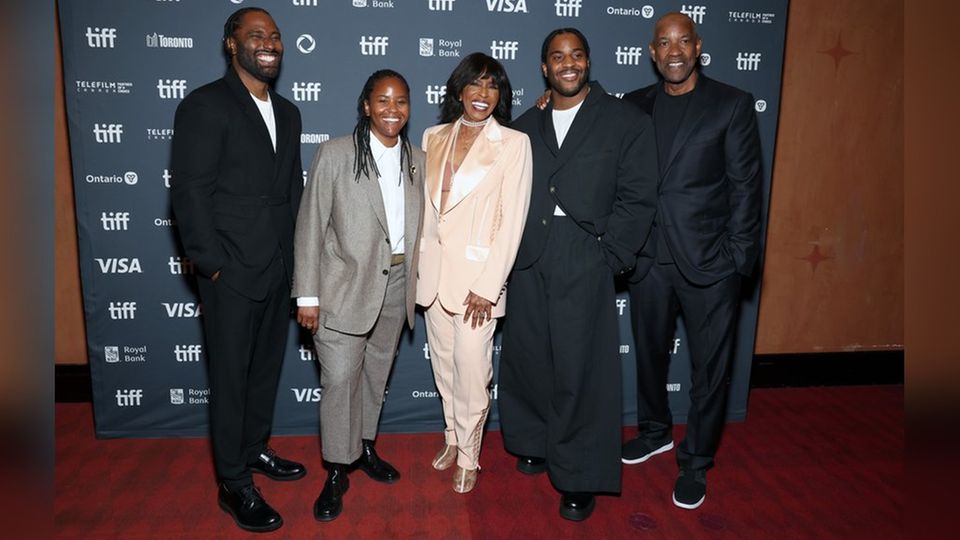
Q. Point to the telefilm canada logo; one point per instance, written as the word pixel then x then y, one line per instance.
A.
pixel 752 17
pixel 159 134
pixel 104 87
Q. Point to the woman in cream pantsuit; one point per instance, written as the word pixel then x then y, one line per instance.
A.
pixel 478 181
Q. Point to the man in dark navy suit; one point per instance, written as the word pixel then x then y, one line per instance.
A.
pixel 705 240
pixel 236 187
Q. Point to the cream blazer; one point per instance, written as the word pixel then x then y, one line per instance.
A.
pixel 471 246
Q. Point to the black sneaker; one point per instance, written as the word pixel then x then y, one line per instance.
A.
pixel 691 488
pixel 639 450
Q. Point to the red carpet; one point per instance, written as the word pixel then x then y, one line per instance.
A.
pixel 807 463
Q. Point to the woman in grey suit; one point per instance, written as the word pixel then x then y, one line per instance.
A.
pixel 355 260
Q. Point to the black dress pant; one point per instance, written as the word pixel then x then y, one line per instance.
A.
pixel 560 373
pixel 709 315
pixel 245 342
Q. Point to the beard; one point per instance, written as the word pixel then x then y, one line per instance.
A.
pixel 248 61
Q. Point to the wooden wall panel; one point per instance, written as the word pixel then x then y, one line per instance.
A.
pixel 833 275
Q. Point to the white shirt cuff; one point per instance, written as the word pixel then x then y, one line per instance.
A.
pixel 308 301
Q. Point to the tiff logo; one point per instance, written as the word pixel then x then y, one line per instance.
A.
pixel 129 398
pixel 621 305
pixel 100 38
pixel 171 88
pixel 374 45
pixel 122 310
pixel 180 265
pixel 629 55
pixel 121 265
pixel 115 221
pixel 306 91
pixel 440 5
pixel 694 12
pixel 748 61
pixel 568 8
pixel 504 50
pixel 182 309
pixel 306 353
pixel 166 178
pixel 187 353
pixel 108 133
pixel 435 93
pixel 507 6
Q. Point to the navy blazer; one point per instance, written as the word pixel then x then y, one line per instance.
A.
pixel 234 198
pixel 604 177
pixel 708 208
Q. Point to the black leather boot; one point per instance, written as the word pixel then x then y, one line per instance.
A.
pixel 376 468
pixel 330 502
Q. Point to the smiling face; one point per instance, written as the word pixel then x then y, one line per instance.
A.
pixel 256 47
pixel 675 50
pixel 567 66
pixel 388 108
pixel 479 98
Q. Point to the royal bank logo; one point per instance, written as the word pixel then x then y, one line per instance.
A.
pixel 435 93
pixel 111 354
pixel 380 4
pixel 104 87
pixel 755 17
pixel 129 178
pixel 180 265
pixel 504 50
pixel 374 45
pixel 356 3
pixel 694 12
pixel 568 8
pixel 314 138
pixel 115 221
pixel 426 46
pixel 705 59
pixel 440 5
pixel 176 396
pixel 159 134
pixel 760 105
pixel 447 48
pixel 119 265
pixel 129 397
pixel 516 98
pixel 748 61
pixel 306 43
pixel 306 395
pixel 307 354
pixel 182 310
pixel 306 91
pixel 166 178
pixel 192 396
pixel 101 38
pixel 161 41
pixel 108 133
pixel 628 55
pixel 646 11
pixel 187 353
pixel 507 6
pixel 171 88
pixel 122 311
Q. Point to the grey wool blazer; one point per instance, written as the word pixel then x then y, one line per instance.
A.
pixel 342 245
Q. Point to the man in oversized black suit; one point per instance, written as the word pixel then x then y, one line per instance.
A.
pixel 705 240
pixel 235 190
pixel 593 200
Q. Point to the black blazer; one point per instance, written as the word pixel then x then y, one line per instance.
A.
pixel 708 209
pixel 604 177
pixel 234 199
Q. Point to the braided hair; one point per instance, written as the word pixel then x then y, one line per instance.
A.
pixel 363 161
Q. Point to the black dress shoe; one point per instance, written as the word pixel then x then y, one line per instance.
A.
pixel 531 465
pixel 376 468
pixel 576 506
pixel 248 509
pixel 330 502
pixel 277 468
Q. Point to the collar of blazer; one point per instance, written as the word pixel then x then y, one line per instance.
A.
pixel 579 129
pixel 245 100
pixel 700 104
pixel 478 161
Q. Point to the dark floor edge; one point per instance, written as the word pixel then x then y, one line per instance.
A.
pixel 768 371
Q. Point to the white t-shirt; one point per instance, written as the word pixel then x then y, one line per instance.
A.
pixel 266 111
pixel 562 120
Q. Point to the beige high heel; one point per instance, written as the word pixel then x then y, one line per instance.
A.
pixel 445 458
pixel 464 480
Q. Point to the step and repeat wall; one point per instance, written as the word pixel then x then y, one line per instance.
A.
pixel 127 65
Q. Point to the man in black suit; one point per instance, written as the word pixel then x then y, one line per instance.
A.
pixel 705 240
pixel 593 199
pixel 235 191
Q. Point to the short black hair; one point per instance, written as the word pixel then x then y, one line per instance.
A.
pixel 233 22
pixel 476 66
pixel 546 42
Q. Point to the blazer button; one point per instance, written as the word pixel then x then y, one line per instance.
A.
pixel 553 189
pixel 385 272
pixel 544 221
pixel 388 240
